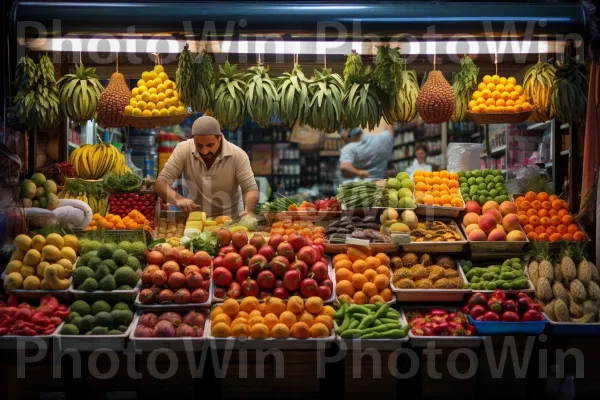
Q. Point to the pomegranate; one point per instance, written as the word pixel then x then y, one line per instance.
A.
pixel 275 240
pixel 227 249
pixel 291 280
pixel 219 292
pixel 164 329
pixel 155 257
pixel 263 294
pixel 218 261
pixel 222 276
pixel 242 274
pixel 257 263
pixel 223 237
pixel 239 239
pixel 319 269
pixel 205 272
pixel 205 284
pixel 324 292
pixel 172 317
pixel 199 332
pixel 191 268
pixel 143 331
pixel 162 247
pixel 301 267
pixel 233 261
pixel 171 255
pixel 266 279
pixel 170 267
pixel 279 265
pixel 267 252
pixel 146 296
pixel 286 250
pixel 308 254
pixel 235 290
pixel 199 296
pixel 186 257
pixel 193 280
pixel 183 296
pixel 185 331
pixel 202 259
pixel 258 241
pixel 166 296
pixel 148 319
pixel 281 293
pixel 158 277
pixel 247 252
pixel 297 241
pixel 176 280
pixel 146 275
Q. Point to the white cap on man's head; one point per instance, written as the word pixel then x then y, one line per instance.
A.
pixel 206 126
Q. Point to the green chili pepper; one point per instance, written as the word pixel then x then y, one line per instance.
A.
pixel 390 320
pixel 381 312
pixel 354 324
pixel 366 322
pixel 339 314
pixel 350 333
pixel 344 325
pixel 357 309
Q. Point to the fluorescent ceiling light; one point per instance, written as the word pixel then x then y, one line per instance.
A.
pixel 251 46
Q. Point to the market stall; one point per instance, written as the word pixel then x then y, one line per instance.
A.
pixel 485 247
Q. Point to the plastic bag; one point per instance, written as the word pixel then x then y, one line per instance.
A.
pixel 525 176
pixel 464 156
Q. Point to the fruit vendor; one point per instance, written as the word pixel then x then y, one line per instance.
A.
pixel 420 162
pixel 366 156
pixel 217 173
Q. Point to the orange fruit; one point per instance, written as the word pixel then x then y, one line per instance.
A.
pixel 542 213
pixel 555 237
pixel 277 306
pixel 383 259
pixel 545 222
pixel 254 313
pixel 521 212
pixel 259 331
pixel 319 330
pixel 370 289
pixel 536 204
pixel 295 304
pixel 552 197
pixel 249 304
pixel 339 257
pixel 579 236
pixel 562 229
pixel 540 229
pixel 288 318
pixel 314 304
pixel 328 310
pixel 239 320
pixel 359 266
pixel 344 287
pixel 532 212
pixel 563 212
pixel 372 262
pixel 307 318
pixel 572 228
pixel 343 275
pixel 543 237
pixel 530 196
pixel 528 228
pixel 216 311
pixel 523 219
pixel 525 205
pixel 532 236
pixel 370 274
pixel 280 331
pixel 231 307
pixel 384 270
pixel 222 318
pixel 220 329
pixel 358 281
pixel 325 320
pixel 356 254
pixel 255 320
pixel 534 220
pixel 381 282
pixel 546 205
pixel 542 196
pixel 345 298
pixel 550 230
pixel 360 298
pixel 343 264
pixel 557 205
pixel 386 294
pixel 240 330
pixel 270 320
pixel 567 237
pixel 556 221
pixel 376 299
pixel 552 212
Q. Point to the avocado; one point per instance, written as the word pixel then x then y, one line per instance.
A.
pixel 107 283
pixel 126 276
pixel 101 272
pixel 69 329
pixel 103 319
pixel 86 324
pixel 80 307
pixel 125 245
pixel 89 285
pixel 105 252
pixel 72 316
pixel 121 306
pixel 121 317
pixel 80 274
pixel 99 306
pixel 138 250
pixel 94 262
pixel 120 257
pixel 99 330
pixel 133 262
pixel 112 266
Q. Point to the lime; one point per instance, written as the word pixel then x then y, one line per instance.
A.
pixel 476 173
pixel 497 172
pixel 479 180
pixel 471 181
pixel 483 193
pixel 462 179
pixel 475 198
pixel 473 192
pixel 489 178
pixel 493 193
pixel 499 186
pixel 503 192
pixel 481 201
pixel 491 186
pixel 486 172
pixel 482 186
pixel 499 179
pixel 461 174
pixel 466 198
pixel 468 174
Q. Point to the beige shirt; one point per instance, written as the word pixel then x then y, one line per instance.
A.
pixel 216 190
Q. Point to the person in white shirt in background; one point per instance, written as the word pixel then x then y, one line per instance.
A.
pixel 366 156
pixel 420 162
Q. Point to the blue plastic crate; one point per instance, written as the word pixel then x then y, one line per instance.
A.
pixel 504 328
pixel 573 329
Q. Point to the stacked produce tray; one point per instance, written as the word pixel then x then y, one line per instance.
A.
pixel 112 295
pixel 90 342
pixel 529 290
pixel 493 247
pixel 431 295
pixel 506 328
pixel 439 247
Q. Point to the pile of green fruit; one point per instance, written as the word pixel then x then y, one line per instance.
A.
pixel 508 276
pixel 108 266
pixel 398 192
pixel 39 192
pixel 98 319
pixel 482 186
pixel 369 321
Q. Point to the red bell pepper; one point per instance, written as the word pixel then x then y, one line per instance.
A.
pixel 10 311
pixel 499 294
pixel 3 331
pixel 29 332
pixel 438 329
pixel 49 331
pixel 62 314
pixel 470 330
pixel 56 320
pixel 438 312
pixel 40 319
pixel 533 315
pixel 23 314
pixel 48 305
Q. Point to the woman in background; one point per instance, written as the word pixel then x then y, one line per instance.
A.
pixel 420 162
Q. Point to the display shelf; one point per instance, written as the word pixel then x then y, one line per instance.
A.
pixel 498 150
pixel 540 126
pixel 564 126
pixel 565 153
pixel 72 145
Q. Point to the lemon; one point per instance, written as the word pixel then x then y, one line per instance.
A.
pixel 161 88
pixel 137 112
pixel 162 75
pixel 141 105
pixel 155 113
pixel 181 110
pixel 174 102
pixel 146 96
pixel 157 81
pixel 128 110
pixel 154 98
pixel 167 103
pixel 142 89
pixel 152 91
pixel 164 112
pixel 134 91
pixel 175 94
pixel 147 113
pixel 150 83
pixel 141 82
pixel 172 110
pixel 168 92
pixel 133 103
pixel 145 75
pixel 138 97
pixel 160 105
pixel 150 106
pixel 152 75
pixel 159 68
pixel 169 84
pixel 161 96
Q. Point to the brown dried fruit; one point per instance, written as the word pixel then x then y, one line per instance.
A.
pixel 436 101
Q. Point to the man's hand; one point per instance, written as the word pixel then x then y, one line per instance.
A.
pixel 185 205
pixel 363 173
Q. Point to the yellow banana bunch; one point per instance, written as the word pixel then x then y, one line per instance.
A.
pixel 537 85
pixel 95 161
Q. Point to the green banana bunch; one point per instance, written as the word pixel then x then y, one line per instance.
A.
pixel 326 92
pixel 568 96
pixel 292 90
pixel 184 76
pixel 230 105
pixel 79 94
pixel 464 84
pixel 261 95
pixel 387 75
pixel 203 72
pixel 36 100
pixel 25 74
pixel 361 104
pixel 403 108
pixel 537 84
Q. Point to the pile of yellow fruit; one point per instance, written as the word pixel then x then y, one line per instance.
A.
pixel 155 95
pixel 499 94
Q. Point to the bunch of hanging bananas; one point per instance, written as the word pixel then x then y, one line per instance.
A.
pixel 95 161
pixel 325 109
pixel 406 96
pixel 361 104
pixel 98 205
pixel 194 79
pixel 537 85
pixel 261 95
pixel 230 104
pixel 464 84
pixel 79 94
pixel 568 97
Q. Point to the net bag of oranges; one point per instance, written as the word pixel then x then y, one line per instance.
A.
pixel 499 100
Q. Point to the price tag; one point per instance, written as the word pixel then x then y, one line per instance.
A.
pixel 357 242
pixel 400 238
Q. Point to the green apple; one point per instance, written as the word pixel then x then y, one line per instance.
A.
pixel 393 183
pixel 406 202
pixel 402 175
pixel 404 192
pixel 393 201
pixel 408 184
